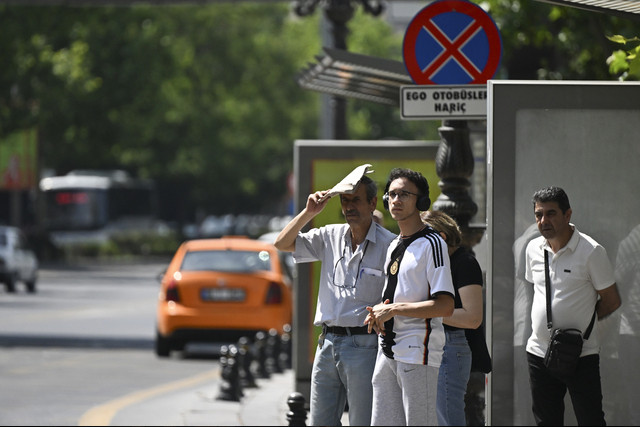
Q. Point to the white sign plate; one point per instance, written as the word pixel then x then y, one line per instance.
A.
pixel 437 102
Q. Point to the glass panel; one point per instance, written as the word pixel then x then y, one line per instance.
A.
pixel 575 136
pixel 227 261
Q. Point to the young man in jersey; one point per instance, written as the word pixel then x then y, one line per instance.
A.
pixel 418 293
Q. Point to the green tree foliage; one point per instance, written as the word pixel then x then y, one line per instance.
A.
pixel 546 42
pixel 625 63
pixel 201 98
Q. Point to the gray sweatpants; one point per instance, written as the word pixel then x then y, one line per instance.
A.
pixel 404 394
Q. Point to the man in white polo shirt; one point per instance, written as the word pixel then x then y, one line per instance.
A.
pixel 581 280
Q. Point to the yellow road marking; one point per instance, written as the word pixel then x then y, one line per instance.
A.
pixel 101 415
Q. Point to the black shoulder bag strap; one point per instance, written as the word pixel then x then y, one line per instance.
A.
pixel 547 283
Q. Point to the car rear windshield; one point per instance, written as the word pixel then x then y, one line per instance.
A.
pixel 227 261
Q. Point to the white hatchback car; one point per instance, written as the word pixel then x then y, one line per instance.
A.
pixel 17 261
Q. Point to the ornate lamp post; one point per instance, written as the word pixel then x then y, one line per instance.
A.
pixel 454 165
pixel 337 13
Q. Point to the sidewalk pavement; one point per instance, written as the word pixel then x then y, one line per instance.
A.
pixel 265 405
pixel 197 404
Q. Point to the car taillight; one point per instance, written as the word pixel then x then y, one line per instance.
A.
pixel 274 294
pixel 172 293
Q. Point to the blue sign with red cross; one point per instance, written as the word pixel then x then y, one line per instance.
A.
pixel 452 42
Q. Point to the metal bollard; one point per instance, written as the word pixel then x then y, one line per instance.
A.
pixel 245 362
pixel 273 352
pixel 286 348
pixel 297 414
pixel 230 388
pixel 261 352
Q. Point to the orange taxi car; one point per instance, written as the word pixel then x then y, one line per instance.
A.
pixel 218 290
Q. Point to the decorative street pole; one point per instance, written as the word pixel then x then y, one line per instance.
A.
pixel 337 13
pixel 454 166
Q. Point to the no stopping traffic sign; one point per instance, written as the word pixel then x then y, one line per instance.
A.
pixel 452 42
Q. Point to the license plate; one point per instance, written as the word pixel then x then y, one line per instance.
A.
pixel 222 294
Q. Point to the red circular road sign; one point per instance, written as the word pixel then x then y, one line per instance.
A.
pixel 452 42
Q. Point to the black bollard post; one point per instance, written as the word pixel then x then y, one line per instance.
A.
pixel 245 360
pixel 286 348
pixel 273 352
pixel 261 352
pixel 297 414
pixel 230 388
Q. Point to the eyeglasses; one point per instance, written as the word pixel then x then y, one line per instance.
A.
pixel 402 195
pixel 342 275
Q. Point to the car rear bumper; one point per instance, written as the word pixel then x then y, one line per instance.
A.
pixel 179 321
pixel 187 335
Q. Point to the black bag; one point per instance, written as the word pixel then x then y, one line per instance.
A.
pixel 563 352
pixel 565 345
pixel 480 357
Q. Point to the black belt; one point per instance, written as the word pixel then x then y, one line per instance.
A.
pixel 340 330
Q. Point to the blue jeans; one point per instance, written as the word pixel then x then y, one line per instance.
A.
pixel 453 378
pixel 342 371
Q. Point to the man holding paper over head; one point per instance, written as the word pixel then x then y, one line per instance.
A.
pixel 351 278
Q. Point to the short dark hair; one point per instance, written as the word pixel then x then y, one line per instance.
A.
pixel 416 177
pixel 552 194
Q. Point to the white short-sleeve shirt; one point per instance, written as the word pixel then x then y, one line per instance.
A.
pixel 577 272
pixel 349 280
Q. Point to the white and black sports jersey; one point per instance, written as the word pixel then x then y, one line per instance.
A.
pixel 418 269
